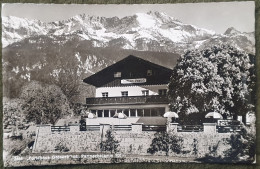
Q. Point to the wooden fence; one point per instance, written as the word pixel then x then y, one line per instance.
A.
pixel 190 128
pixel 229 128
pixel 121 127
pixel 222 127
pixel 60 128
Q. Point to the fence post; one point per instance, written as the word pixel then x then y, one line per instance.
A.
pixel 210 127
pixel 137 127
pixel 172 127
pixel 103 128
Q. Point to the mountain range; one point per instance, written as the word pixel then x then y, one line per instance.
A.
pixel 152 31
pixel 33 49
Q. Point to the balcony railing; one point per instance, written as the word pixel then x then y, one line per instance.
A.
pixel 156 99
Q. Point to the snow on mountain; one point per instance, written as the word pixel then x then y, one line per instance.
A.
pixel 15 29
pixel 241 40
pixel 232 32
pixel 153 31
pixel 145 20
pixel 141 27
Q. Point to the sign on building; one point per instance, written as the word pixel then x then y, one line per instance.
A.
pixel 128 81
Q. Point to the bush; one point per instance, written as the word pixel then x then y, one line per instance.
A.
pixel 110 144
pixel 242 149
pixel 61 147
pixel 195 146
pixel 165 142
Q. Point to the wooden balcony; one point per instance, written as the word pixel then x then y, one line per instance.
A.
pixel 153 99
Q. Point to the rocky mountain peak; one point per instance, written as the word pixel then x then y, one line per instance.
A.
pixel 162 16
pixel 231 31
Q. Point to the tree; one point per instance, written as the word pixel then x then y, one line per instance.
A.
pixel 68 73
pixel 67 77
pixel 220 78
pixel 44 103
pixel 12 109
pixel 110 144
pixel 163 141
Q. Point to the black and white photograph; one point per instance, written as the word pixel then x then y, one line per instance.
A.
pixel 128 83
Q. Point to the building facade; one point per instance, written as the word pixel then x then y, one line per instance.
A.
pixel 133 86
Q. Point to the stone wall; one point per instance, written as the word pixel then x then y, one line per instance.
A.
pixel 80 141
pixel 130 142
pixel 134 143
pixel 203 143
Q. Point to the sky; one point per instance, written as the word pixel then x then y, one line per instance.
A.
pixel 217 16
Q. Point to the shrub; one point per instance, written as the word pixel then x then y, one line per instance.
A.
pixel 242 149
pixel 110 144
pixel 195 146
pixel 61 147
pixel 165 142
pixel 176 144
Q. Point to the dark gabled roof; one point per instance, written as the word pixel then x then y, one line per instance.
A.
pixel 130 64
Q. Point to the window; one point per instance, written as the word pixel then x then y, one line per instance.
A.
pixel 149 72
pixel 153 112
pixel 147 112
pixel 162 92
pixel 124 93
pixel 132 112
pixel 100 113
pixel 106 113
pixel 145 92
pixel 126 112
pixel 140 112
pixel 117 74
pixel 105 94
pixel 112 113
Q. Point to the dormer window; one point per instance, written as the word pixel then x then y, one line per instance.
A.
pixel 105 94
pixel 145 92
pixel 124 93
pixel 117 74
pixel 149 72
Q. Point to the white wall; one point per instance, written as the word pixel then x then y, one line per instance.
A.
pixel 132 90
pixel 112 121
